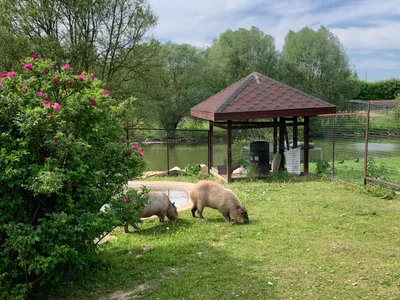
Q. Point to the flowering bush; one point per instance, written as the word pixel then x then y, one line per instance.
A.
pixel 61 159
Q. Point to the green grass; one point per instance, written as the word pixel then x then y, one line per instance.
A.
pixel 306 240
pixel 353 172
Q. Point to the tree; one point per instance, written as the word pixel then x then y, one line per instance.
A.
pixel 235 54
pixel 87 34
pixel 177 85
pixel 316 63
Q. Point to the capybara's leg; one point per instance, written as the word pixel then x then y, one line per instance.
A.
pixel 126 229
pixel 227 217
pixel 200 211
pixel 194 208
pixel 135 226
pixel 161 218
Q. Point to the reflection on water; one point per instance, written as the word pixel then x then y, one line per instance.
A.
pixel 182 155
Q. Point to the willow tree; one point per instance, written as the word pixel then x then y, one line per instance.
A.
pixel 237 53
pixel 316 62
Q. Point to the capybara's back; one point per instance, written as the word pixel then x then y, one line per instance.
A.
pixel 213 195
pixel 159 205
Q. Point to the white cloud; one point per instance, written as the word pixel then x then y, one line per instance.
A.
pixel 362 26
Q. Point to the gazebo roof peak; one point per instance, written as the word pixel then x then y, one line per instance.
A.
pixel 258 96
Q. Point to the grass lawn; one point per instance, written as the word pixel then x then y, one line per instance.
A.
pixel 305 240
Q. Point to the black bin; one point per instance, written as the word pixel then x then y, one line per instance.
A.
pixel 259 156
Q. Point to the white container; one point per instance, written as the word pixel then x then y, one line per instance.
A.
pixel 292 158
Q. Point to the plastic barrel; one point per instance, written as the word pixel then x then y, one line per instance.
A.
pixel 259 156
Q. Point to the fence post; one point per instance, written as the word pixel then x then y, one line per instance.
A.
pixel 127 135
pixel 167 152
pixel 229 151
pixel 333 147
pixel 366 142
pixel 210 147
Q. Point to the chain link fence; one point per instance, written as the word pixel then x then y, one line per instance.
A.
pixel 355 147
pixel 166 149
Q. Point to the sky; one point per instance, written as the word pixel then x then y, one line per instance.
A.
pixel 368 29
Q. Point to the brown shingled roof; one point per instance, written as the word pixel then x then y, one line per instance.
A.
pixel 257 97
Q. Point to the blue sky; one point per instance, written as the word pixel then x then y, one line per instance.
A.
pixel 369 29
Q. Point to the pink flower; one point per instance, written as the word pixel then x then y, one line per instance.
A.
pixel 3 75
pixel 56 79
pixel 135 147
pixel 11 74
pixel 128 153
pixel 1 84
pixel 51 116
pixel 69 82
pixel 46 104
pixel 34 56
pixel 140 154
pixel 40 94
pixel 126 199
pixel 56 106
pixel 25 89
pixel 142 149
pixel 106 92
pixel 55 140
pixel 52 67
pixel 45 72
pixel 91 77
pixel 81 77
pixel 93 102
pixel 28 66
pixel 121 142
pixel 66 67
pixel 46 98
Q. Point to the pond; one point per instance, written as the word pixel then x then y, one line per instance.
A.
pixel 346 148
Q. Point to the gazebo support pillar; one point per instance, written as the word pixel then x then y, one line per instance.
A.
pixel 295 132
pixel 282 142
pixel 275 135
pixel 306 142
pixel 210 146
pixel 229 151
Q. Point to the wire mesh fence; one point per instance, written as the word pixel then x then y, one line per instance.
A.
pixel 165 149
pixel 383 155
pixel 360 146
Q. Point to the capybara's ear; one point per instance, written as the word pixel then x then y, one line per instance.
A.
pixel 237 207
pixel 173 203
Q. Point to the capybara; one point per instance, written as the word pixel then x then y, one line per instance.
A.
pixel 211 194
pixel 159 205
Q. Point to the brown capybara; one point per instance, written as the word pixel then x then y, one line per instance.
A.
pixel 159 205
pixel 211 194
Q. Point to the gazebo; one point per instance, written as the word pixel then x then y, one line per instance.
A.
pixel 259 97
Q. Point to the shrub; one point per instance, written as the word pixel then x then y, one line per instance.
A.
pixel 61 159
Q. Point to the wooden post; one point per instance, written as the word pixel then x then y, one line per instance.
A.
pixel 282 142
pixel 229 151
pixel 295 132
pixel 333 146
pixel 167 153
pixel 127 135
pixel 366 143
pixel 306 142
pixel 275 135
pixel 210 146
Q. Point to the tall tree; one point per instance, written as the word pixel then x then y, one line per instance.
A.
pixel 236 54
pixel 178 84
pixel 316 62
pixel 88 34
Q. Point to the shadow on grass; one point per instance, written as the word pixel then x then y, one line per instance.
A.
pixel 148 228
pixel 190 270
